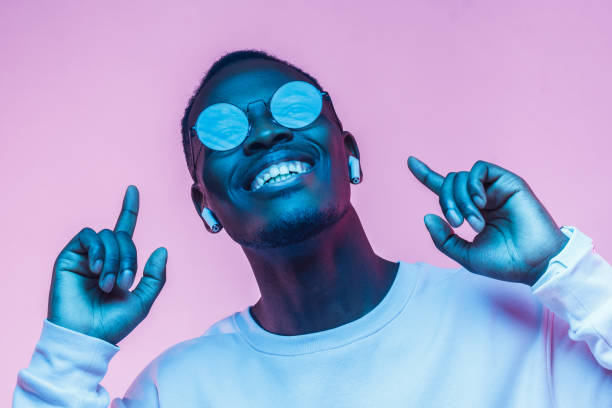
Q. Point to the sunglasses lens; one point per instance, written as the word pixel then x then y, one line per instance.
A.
pixel 222 126
pixel 296 104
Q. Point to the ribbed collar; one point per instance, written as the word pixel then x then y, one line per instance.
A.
pixel 376 319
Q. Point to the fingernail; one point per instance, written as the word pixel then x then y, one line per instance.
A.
pixel 107 283
pixel 125 279
pixel 475 222
pixel 478 200
pixel 454 218
pixel 97 267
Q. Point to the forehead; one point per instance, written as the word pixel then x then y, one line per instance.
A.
pixel 245 81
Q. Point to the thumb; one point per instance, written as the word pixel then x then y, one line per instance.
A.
pixel 449 243
pixel 153 278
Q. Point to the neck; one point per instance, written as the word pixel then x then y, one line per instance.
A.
pixel 323 282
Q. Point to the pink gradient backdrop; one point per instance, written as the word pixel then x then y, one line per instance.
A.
pixel 92 95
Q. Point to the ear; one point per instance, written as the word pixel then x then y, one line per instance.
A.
pixel 199 202
pixel 350 144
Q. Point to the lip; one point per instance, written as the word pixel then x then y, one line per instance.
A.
pixel 274 157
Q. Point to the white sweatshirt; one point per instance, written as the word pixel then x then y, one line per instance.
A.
pixel 439 338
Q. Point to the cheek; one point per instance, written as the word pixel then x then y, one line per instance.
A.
pixel 327 135
pixel 216 181
pixel 334 147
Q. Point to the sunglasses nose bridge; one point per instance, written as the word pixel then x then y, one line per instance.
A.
pixel 256 110
pixel 259 115
pixel 264 130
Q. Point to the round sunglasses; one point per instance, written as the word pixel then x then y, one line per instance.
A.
pixel 224 126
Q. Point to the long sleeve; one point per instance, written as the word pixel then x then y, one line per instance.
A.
pixel 577 286
pixel 65 370
pixel 577 289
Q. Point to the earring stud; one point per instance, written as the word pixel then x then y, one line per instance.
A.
pixel 354 173
pixel 211 220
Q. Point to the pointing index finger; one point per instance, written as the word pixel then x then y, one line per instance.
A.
pixel 425 175
pixel 129 211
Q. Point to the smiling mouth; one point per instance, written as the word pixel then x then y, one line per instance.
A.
pixel 279 174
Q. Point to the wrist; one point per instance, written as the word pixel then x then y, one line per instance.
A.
pixel 558 245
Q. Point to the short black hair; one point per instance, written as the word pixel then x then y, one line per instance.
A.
pixel 225 60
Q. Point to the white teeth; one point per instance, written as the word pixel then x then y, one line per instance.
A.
pixel 279 172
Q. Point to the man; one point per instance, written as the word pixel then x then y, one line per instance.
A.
pixel 336 324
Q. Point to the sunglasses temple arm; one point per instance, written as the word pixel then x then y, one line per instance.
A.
pixel 326 96
pixel 193 157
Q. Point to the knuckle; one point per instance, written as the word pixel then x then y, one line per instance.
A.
pixel 123 234
pixel 446 244
pixel 87 230
pixel 515 181
pixel 126 243
pixel 106 231
pixel 470 212
pixel 446 203
pixel 522 184
pixel 446 184
pixel 62 262
pixel 441 201
pixel 460 181
pixel 111 260
pixel 477 166
pixel 461 205
pixel 469 208
pixel 128 261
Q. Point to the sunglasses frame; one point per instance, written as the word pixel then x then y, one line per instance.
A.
pixel 193 133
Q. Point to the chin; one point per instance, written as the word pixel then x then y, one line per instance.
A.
pixel 291 227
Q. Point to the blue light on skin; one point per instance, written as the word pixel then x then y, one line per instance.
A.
pixel 307 248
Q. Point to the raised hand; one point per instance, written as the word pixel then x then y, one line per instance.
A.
pixel 93 274
pixel 516 238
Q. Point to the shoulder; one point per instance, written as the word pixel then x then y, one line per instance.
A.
pixel 462 290
pixel 221 335
pixel 431 277
pixel 190 362
pixel 219 341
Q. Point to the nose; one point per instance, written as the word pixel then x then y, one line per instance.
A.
pixel 264 133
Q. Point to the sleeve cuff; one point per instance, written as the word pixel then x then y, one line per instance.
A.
pixel 568 255
pixel 75 359
pixel 577 285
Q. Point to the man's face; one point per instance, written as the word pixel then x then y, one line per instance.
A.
pixel 280 214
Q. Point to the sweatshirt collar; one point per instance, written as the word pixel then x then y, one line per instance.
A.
pixel 372 322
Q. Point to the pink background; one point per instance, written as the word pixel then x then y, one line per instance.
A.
pixel 92 95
